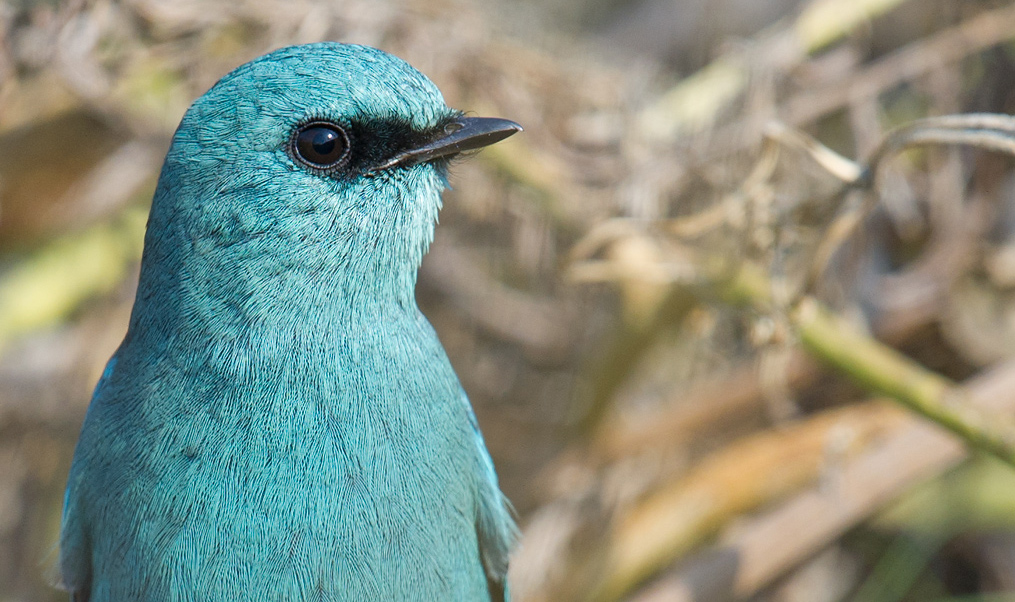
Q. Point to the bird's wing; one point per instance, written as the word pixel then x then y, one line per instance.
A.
pixel 75 552
pixel 494 524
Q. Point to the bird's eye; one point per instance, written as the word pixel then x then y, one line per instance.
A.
pixel 321 145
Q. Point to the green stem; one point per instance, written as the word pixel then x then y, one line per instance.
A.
pixel 883 370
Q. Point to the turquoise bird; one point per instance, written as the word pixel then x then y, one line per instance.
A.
pixel 280 421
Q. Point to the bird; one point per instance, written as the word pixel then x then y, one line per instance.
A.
pixel 280 421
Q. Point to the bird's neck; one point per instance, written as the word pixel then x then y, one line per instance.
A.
pixel 232 264
pixel 204 302
pixel 275 339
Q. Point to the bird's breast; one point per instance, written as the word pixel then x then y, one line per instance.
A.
pixel 351 468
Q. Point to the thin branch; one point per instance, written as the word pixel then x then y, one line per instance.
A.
pixel 883 370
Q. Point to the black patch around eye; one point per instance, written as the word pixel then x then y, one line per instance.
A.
pixel 321 145
pixel 368 143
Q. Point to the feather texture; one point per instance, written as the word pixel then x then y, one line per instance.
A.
pixel 280 421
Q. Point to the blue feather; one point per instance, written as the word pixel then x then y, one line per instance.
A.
pixel 280 421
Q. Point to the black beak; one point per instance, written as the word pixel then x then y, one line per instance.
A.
pixel 462 134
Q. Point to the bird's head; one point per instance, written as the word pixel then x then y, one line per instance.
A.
pixel 315 170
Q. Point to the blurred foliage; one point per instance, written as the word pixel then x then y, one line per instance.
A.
pixel 623 288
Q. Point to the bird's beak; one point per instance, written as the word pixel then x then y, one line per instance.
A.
pixel 462 134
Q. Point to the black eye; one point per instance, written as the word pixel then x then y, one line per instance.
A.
pixel 321 144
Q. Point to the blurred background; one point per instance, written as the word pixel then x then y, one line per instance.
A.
pixel 627 289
